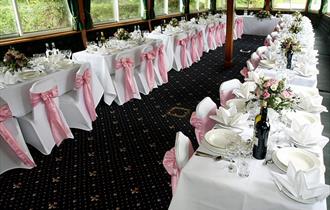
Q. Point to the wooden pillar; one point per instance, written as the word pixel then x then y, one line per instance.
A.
pixel 267 5
pixel 229 34
pixel 82 18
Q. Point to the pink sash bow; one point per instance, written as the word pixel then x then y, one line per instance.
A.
pixel 161 63
pixel 200 43
pixel 59 130
pixel 222 32
pixel 202 125
pixel 210 37
pixel 245 72
pixel 85 82
pixel 239 27
pixel 194 56
pixel 127 65
pixel 169 163
pixel 5 114
pixel 183 44
pixel 149 57
pixel 226 95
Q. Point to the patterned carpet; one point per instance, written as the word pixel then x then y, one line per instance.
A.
pixel 118 165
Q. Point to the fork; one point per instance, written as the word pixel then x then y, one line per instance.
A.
pixel 214 157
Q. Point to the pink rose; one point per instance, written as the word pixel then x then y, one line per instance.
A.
pixel 265 95
pixel 267 84
pixel 287 94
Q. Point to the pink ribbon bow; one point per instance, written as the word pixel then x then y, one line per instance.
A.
pixel 200 43
pixel 245 72
pixel 210 37
pixel 148 57
pixel 223 32
pixel 59 130
pixel 161 63
pixel 5 114
pixel 194 55
pixel 169 163
pixel 183 44
pixel 239 27
pixel 85 82
pixel 226 95
pixel 202 125
pixel 127 64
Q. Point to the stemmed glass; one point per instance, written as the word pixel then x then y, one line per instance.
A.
pixel 231 152
pixel 245 151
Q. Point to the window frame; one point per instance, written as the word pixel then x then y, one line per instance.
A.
pixel 289 9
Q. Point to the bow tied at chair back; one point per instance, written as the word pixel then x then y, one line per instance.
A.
pixel 183 44
pixel 202 125
pixel 200 43
pixel 194 51
pixel 59 129
pixel 149 57
pixel 126 64
pixel 84 81
pixel 210 36
pixel 160 52
pixel 7 136
pixel 169 163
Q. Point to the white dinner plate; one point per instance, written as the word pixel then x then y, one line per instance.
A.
pixel 219 138
pixel 301 159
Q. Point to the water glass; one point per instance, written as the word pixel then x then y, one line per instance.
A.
pixel 231 152
pixel 243 168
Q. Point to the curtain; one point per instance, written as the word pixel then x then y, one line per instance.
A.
pixel 308 5
pixel 74 10
pixel 88 18
pixel 324 7
pixel 152 10
pixel 185 6
pixel 213 6
pixel 149 11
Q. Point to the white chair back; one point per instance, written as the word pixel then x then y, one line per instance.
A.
pixel 262 50
pixel 204 107
pixel 249 65
pixel 183 149
pixel 255 59
pixel 226 90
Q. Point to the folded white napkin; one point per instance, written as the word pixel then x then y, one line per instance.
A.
pixel 239 103
pixel 254 76
pixel 230 117
pixel 306 70
pixel 246 90
pixel 303 184
pixel 311 103
pixel 305 134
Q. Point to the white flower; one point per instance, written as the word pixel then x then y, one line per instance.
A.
pixel 274 86
pixel 277 100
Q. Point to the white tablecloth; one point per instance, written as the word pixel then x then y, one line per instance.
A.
pixel 255 26
pixel 18 98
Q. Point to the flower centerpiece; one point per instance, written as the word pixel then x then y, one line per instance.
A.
pixel 275 94
pixel 297 16
pixel 262 14
pixel 122 34
pixel 174 22
pixel 14 60
pixel 290 45
pixel 278 14
pixel 295 27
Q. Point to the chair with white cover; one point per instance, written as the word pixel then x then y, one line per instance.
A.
pixel 250 66
pixel 200 42
pixel 182 57
pixel 238 28
pixel 274 35
pixel 268 41
pixel 78 105
pixel 177 157
pixel 211 42
pixel 226 90
pixel 145 74
pixel 124 80
pixel 201 120
pixel 261 51
pixel 13 150
pixel 161 63
pixel 192 46
pixel 255 59
pixel 220 34
pixel 45 126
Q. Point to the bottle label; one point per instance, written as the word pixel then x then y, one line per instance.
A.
pixel 256 141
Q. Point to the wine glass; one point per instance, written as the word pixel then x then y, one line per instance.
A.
pixel 231 152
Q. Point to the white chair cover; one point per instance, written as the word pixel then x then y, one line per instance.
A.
pixel 192 46
pixel 182 57
pixel 36 126
pixel 75 104
pixel 210 36
pixel 255 59
pixel 226 90
pixel 161 63
pixel 13 150
pixel 249 65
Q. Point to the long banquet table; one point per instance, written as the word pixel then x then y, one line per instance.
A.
pixel 261 27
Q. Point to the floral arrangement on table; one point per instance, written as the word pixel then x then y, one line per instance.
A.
pixel 122 34
pixel 278 14
pixel 295 27
pixel 14 60
pixel 174 22
pixel 290 43
pixel 297 16
pixel 275 94
pixel 262 14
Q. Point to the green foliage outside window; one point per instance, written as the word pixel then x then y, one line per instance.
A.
pixel 102 10
pixel 7 23
pixel 159 7
pixel 173 6
pixel 129 9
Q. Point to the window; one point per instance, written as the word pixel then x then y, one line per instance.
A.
pixel 102 10
pixel 129 9
pixel 7 17
pixel 174 6
pixel 315 5
pixel 43 15
pixel 289 4
pixel 250 4
pixel 159 7
pixel 328 9
pixel 221 4
pixel 198 5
